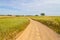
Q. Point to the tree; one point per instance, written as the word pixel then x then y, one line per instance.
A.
pixel 9 15
pixel 42 14
pixel 36 15
pixel 17 15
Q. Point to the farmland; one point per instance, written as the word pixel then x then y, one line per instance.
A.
pixel 10 26
pixel 52 22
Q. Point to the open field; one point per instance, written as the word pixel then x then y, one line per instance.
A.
pixel 10 26
pixel 51 21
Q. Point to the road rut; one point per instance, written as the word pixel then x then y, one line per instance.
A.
pixel 37 31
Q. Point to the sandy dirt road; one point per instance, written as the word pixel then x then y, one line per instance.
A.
pixel 37 31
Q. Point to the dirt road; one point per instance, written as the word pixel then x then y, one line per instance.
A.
pixel 37 31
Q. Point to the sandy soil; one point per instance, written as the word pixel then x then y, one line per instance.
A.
pixel 37 31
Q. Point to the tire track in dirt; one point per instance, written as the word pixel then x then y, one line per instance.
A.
pixel 37 31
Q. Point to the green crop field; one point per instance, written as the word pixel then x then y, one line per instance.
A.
pixel 52 22
pixel 10 26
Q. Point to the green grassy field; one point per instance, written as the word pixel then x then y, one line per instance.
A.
pixel 52 22
pixel 10 26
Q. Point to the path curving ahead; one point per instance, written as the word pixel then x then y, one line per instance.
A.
pixel 37 31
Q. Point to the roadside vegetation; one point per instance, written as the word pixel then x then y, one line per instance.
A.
pixel 10 26
pixel 52 22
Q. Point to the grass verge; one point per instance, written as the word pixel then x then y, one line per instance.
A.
pixel 52 22
pixel 10 26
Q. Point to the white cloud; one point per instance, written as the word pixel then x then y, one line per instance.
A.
pixel 35 5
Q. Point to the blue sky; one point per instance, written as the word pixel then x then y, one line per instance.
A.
pixel 30 7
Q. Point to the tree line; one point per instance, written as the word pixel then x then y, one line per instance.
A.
pixel 41 14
